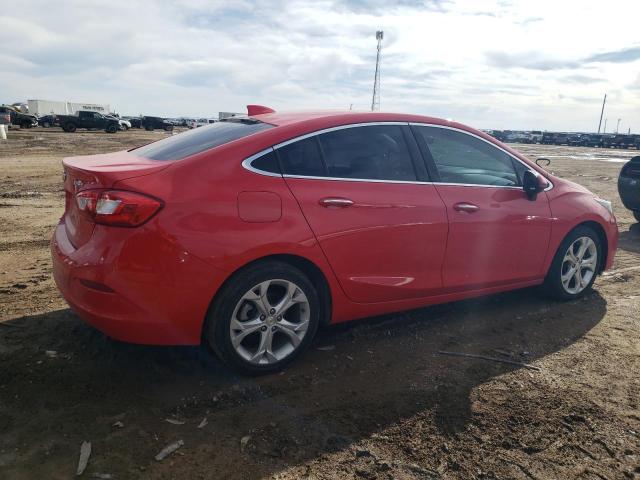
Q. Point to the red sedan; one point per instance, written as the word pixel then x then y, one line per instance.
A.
pixel 249 233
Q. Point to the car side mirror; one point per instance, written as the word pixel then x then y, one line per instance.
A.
pixel 531 185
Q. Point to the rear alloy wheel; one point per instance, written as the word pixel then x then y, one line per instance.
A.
pixel 575 265
pixel 266 317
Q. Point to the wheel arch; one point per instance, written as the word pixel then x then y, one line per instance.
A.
pixel 604 242
pixel 309 268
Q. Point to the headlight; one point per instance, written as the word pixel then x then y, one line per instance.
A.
pixel 605 203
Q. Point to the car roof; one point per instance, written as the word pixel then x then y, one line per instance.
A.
pixel 342 118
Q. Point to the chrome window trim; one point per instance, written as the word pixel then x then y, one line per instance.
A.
pixel 246 163
pixel 370 180
pixel 333 129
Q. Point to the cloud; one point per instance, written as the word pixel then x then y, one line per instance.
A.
pixel 618 56
pixel 489 63
pixel 583 79
pixel 530 60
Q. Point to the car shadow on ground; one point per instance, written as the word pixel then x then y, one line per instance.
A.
pixel 63 382
pixel 630 240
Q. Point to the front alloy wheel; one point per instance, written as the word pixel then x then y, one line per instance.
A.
pixel 579 265
pixel 575 265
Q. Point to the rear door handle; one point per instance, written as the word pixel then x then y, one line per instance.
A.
pixel 466 207
pixel 335 202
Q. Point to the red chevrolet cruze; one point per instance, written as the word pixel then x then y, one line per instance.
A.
pixel 249 233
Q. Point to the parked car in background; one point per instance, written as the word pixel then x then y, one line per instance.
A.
pixel 135 122
pixel 5 116
pixel 629 186
pixel 591 140
pixel 47 121
pixel 267 226
pixel 561 139
pixel 575 139
pixel 88 120
pixel 151 123
pixel 620 141
pixel 497 134
pixel 535 136
pixel 201 122
pixel 23 120
pixel 122 123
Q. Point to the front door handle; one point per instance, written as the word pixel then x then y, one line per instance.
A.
pixel 466 207
pixel 336 202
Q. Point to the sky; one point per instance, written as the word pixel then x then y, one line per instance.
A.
pixel 542 65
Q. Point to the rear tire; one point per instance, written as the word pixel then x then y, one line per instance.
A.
pixel 263 318
pixel 168 128
pixel 148 128
pixel 575 265
pixel 69 127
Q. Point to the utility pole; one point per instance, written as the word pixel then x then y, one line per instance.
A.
pixel 618 125
pixel 602 112
pixel 375 101
pixel 605 125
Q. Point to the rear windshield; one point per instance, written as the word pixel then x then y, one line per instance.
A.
pixel 200 139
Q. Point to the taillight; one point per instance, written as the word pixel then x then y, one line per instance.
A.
pixel 118 208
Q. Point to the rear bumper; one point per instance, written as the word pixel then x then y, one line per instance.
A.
pixel 134 285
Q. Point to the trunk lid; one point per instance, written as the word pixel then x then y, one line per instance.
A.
pixel 97 171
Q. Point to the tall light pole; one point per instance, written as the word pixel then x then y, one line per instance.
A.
pixel 602 111
pixel 605 125
pixel 618 125
pixel 375 101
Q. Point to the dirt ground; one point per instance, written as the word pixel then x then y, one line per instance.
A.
pixel 372 399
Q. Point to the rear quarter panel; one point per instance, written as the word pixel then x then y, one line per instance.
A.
pixel 203 215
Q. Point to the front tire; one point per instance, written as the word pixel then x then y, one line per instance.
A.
pixel 111 129
pixel 264 318
pixel 575 265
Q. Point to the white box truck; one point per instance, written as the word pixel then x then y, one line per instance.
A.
pixel 50 107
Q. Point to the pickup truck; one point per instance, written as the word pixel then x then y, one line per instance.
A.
pixel 24 120
pixel 86 119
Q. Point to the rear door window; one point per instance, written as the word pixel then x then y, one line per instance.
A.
pixel 464 159
pixel 377 152
pixel 200 139
pixel 302 158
